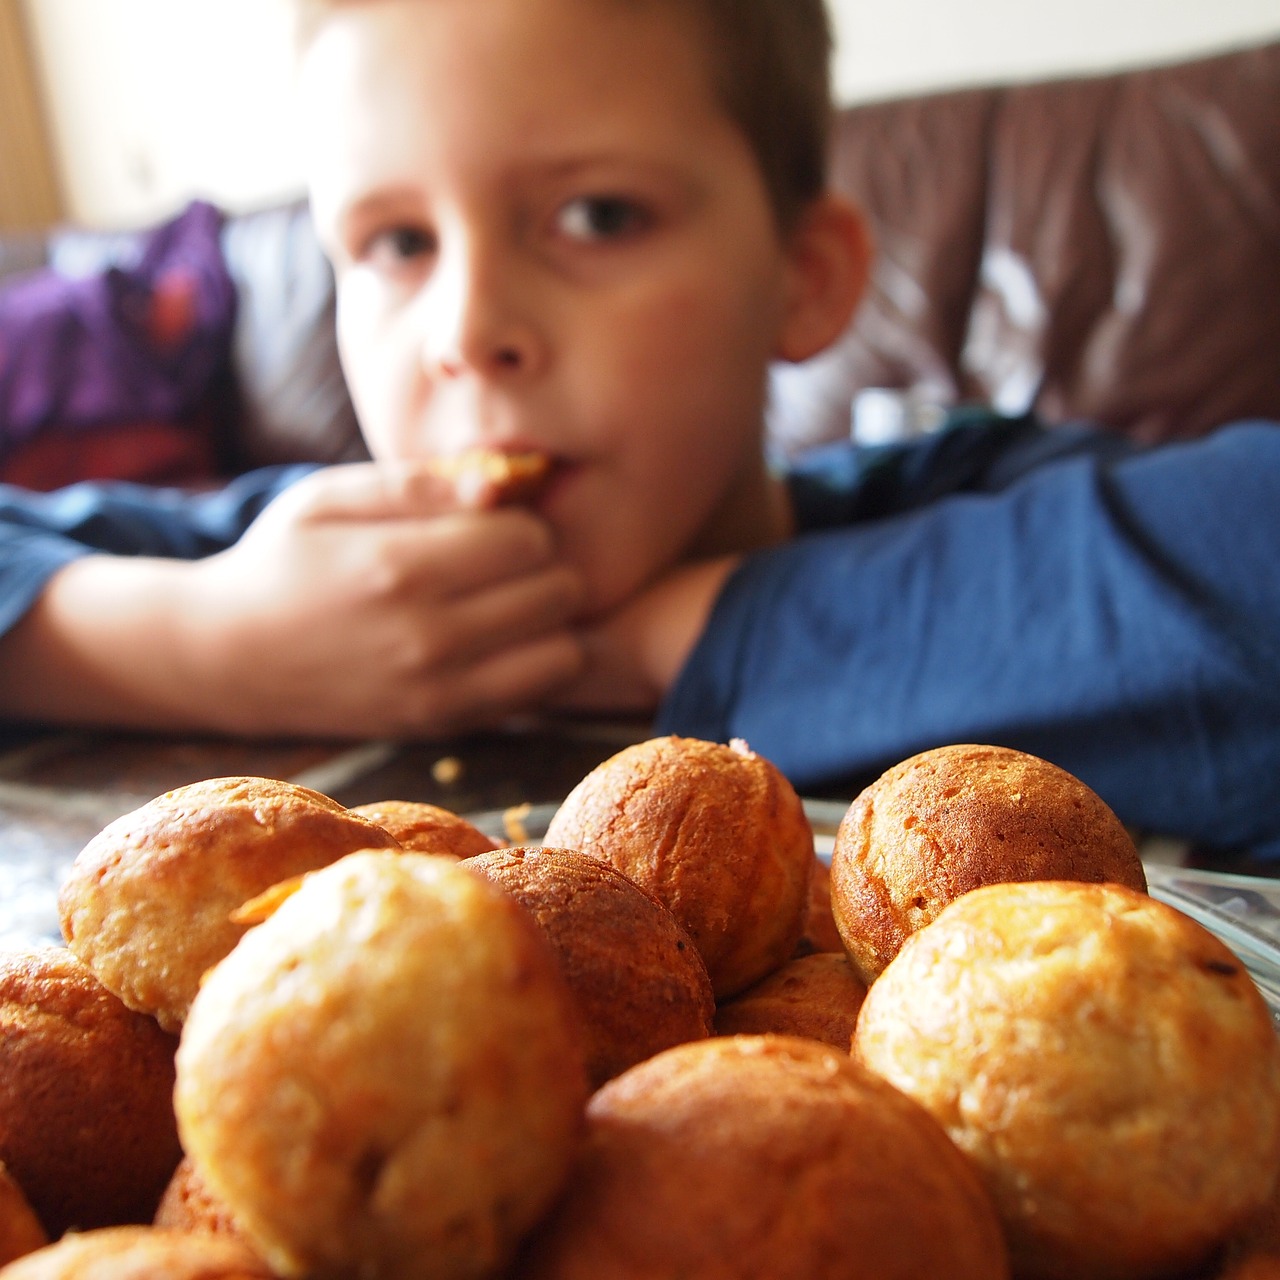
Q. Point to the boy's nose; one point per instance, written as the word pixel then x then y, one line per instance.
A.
pixel 477 322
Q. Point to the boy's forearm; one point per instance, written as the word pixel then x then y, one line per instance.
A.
pixel 104 644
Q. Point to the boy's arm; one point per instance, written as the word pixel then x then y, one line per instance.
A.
pixel 1119 616
pixel 349 607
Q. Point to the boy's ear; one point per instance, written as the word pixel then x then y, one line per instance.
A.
pixel 829 254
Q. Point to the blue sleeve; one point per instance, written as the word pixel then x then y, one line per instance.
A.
pixel 41 532
pixel 1116 613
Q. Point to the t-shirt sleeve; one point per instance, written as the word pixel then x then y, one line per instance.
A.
pixel 1118 615
pixel 42 532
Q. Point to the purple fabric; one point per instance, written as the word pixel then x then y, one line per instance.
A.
pixel 137 343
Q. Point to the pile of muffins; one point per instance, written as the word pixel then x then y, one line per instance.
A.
pixel 291 1039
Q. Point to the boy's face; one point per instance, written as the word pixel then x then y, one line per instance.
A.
pixel 549 236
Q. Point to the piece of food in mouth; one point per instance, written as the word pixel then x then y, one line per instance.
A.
pixel 149 901
pixel 956 817
pixel 513 476
pixel 640 984
pixel 714 832
pixel 427 828
pixel 86 1085
pixel 1106 1062
pixel 385 1071
pixel 765 1156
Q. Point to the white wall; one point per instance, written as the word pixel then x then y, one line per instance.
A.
pixel 155 101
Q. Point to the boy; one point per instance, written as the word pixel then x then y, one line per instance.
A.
pixel 581 230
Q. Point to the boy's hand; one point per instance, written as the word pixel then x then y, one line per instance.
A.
pixel 364 601
pixel 635 653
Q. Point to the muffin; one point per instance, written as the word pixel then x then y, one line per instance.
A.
pixel 714 832
pixel 138 1253
pixel 148 902
pixel 1106 1063
pixel 638 980
pixel 948 820
pixel 20 1229
pixel 816 996
pixel 427 828
pixel 387 1070
pixel 508 476
pixel 765 1158
pixel 86 1115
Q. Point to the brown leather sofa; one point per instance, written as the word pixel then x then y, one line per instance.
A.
pixel 1104 248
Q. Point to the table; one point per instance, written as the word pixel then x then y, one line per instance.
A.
pixel 60 788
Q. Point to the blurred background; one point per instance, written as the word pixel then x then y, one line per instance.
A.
pixel 116 112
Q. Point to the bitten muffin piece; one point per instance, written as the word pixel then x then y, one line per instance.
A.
pixel 816 996
pixel 86 1085
pixel 765 1158
pixel 385 1077
pixel 148 903
pixel 948 820
pixel 428 828
pixel 638 979
pixel 714 832
pixel 1105 1061
pixel 139 1253
pixel 20 1229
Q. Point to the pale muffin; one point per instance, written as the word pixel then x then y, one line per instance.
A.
pixel 1106 1062
pixel 638 980
pixel 716 833
pixel 149 900
pixel 816 996
pixel 86 1115
pixel 765 1158
pixel 953 818
pixel 386 1075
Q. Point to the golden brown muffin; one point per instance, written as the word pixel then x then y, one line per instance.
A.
pixel 1105 1061
pixel 20 1229
pixel 948 820
pixel 1251 1266
pixel 188 1205
pixel 638 979
pixel 86 1115
pixel 765 1158
pixel 714 832
pixel 820 932
pixel 427 828
pixel 386 1070
pixel 148 902
pixel 816 996
pixel 139 1253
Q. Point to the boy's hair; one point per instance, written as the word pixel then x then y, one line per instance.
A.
pixel 771 61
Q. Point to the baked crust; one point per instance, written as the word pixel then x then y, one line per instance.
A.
pixel 427 828
pixel 714 832
pixel 149 900
pixel 1106 1062
pixel 950 819
pixel 638 980
pixel 816 996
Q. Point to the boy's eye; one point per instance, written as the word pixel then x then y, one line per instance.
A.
pixel 600 218
pixel 397 246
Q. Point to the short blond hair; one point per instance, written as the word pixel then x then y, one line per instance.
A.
pixel 771 62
